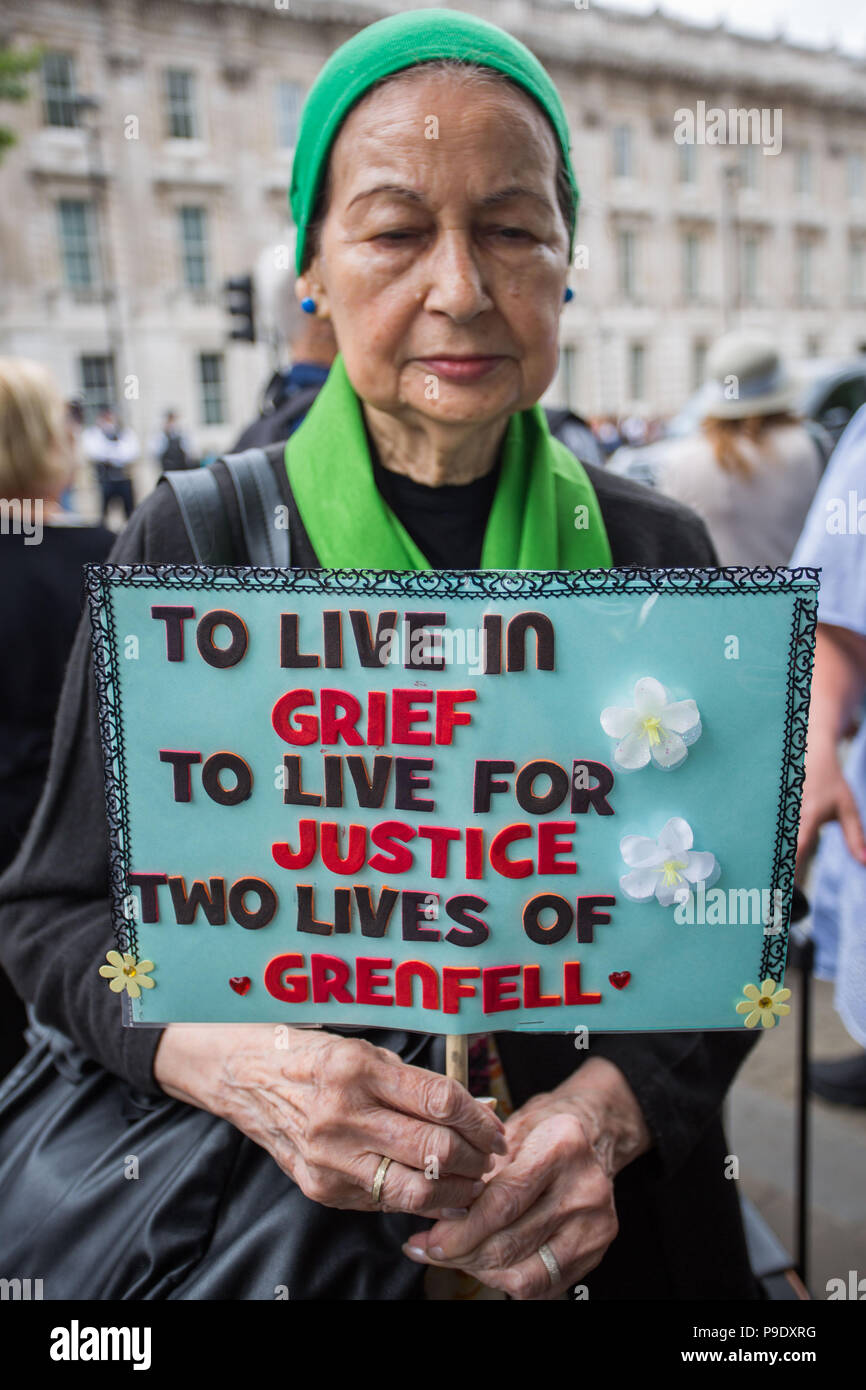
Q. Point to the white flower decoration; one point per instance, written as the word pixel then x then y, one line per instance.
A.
pixel 653 728
pixel 667 867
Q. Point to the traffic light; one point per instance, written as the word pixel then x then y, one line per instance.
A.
pixel 240 303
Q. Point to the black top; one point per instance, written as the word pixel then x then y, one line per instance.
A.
pixel 680 1221
pixel 446 523
pixel 42 591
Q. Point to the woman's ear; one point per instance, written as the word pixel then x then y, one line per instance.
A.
pixel 309 286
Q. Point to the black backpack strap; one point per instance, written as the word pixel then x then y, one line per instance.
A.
pixel 204 516
pixel 261 506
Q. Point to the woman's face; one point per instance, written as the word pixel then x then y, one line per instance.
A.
pixel 441 244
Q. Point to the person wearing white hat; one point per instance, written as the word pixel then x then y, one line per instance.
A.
pixel 752 471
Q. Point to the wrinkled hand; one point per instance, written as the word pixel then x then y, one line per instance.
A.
pixel 552 1188
pixel 328 1108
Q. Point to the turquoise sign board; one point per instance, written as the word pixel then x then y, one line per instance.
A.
pixel 452 801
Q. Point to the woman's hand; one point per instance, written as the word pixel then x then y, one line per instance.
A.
pixel 554 1188
pixel 328 1108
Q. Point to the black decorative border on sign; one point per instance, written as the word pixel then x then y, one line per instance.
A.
pixel 470 584
pixel 792 776
pixel 108 700
pixel 456 584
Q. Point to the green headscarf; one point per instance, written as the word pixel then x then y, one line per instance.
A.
pixel 404 41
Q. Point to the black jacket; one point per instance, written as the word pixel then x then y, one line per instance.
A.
pixel 680 1230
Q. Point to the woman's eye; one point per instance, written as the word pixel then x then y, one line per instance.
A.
pixel 398 235
pixel 512 233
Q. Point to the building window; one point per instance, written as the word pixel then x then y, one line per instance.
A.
pixel 194 249
pixel 750 270
pixel 856 174
pixel 211 382
pixel 636 371
pixel 289 101
pixel 699 363
pixel 691 247
pixel 749 166
pixel 96 375
pixel 687 164
pixel 623 155
pixel 78 243
pixel 804 271
pixel 625 247
pixel 857 269
pixel 803 170
pixel 813 346
pixel 569 368
pixel 59 94
pixel 181 122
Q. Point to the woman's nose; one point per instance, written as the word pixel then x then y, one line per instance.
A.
pixel 456 282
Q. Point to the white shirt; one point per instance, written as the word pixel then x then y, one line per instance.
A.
pixel 834 538
pixel 117 453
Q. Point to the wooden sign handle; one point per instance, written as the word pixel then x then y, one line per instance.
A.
pixel 457 1057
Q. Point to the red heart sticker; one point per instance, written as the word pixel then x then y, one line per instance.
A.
pixel 620 978
pixel 240 983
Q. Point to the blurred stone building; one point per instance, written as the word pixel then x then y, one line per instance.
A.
pixel 153 159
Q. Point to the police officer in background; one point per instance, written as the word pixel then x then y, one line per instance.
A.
pixel 171 447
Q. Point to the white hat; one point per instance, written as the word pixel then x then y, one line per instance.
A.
pixel 746 377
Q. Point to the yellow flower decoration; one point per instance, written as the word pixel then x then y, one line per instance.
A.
pixel 124 972
pixel 766 1004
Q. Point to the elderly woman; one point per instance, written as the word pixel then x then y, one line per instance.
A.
pixel 435 204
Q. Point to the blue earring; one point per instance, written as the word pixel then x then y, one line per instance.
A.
pixel 308 305
pixel 569 294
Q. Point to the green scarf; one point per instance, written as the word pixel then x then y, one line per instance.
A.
pixel 545 514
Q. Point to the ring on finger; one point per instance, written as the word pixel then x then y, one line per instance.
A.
pixel 550 1263
pixel 379 1179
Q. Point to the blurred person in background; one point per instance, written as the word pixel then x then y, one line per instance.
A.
pixel 171 446
pixel 291 390
pixel 41 585
pixel 74 427
pixel 606 431
pixel 112 449
pixel 634 430
pixel 832 796
pixel 752 472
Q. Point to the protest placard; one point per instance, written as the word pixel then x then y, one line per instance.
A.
pixel 452 801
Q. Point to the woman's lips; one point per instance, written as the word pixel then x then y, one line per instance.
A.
pixel 461 368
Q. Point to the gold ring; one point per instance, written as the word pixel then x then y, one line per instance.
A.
pixel 379 1180
pixel 549 1261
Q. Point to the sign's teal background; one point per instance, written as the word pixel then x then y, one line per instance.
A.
pixel 683 976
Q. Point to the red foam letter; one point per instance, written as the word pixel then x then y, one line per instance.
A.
pixel 452 990
pixel 287 858
pixel 330 976
pixel 517 868
pixel 296 989
pixel 447 716
pixel 494 985
pixel 403 716
pixel 366 979
pixel 306 728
